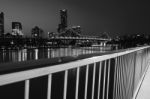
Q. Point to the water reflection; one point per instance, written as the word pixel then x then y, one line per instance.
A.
pixel 35 54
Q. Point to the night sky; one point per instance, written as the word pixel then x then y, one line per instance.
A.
pixel 94 16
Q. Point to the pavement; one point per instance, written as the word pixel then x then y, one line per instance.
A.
pixel 144 91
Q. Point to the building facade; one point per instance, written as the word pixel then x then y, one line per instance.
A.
pixel 36 32
pixel 63 21
pixel 1 24
pixel 17 29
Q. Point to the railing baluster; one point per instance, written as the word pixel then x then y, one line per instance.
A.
pixel 65 84
pixel 86 82
pixel 27 85
pixel 121 64
pixel 108 78
pixel 49 86
pixel 123 74
pixel 99 80
pixel 126 75
pixel 119 77
pixel 93 85
pixel 115 76
pixel 77 83
pixel 104 79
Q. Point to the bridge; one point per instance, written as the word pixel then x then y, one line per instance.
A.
pixel 77 40
pixel 112 75
pixel 72 37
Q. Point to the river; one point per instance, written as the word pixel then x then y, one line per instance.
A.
pixel 35 54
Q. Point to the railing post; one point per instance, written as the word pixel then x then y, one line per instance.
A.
pixel 115 77
pixel 99 80
pixel 86 81
pixel 121 78
pixel 124 76
pixel 77 83
pixel 119 83
pixel 93 84
pixel 104 79
pixel 65 84
pixel 49 86
pixel 27 85
pixel 108 78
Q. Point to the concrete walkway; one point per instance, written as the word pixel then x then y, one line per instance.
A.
pixel 144 91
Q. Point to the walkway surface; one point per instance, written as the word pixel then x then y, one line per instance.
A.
pixel 144 91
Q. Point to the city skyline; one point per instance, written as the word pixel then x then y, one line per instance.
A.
pixel 118 17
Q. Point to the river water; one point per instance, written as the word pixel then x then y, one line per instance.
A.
pixel 35 54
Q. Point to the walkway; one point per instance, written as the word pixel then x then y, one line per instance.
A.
pixel 144 91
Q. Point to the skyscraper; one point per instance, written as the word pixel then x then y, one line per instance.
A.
pixel 63 21
pixel 17 28
pixel 1 24
pixel 36 32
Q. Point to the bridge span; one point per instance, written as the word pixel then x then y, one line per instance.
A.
pixel 113 75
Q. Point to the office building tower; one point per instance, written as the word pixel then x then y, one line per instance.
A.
pixel 1 24
pixel 63 21
pixel 17 29
pixel 36 32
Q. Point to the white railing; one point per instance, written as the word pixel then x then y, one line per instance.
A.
pixel 116 75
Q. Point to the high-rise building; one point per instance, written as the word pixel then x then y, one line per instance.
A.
pixel 36 32
pixel 17 28
pixel 63 20
pixel 1 24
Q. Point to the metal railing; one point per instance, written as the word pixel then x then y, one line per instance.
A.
pixel 110 76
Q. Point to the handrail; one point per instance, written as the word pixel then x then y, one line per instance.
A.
pixel 23 75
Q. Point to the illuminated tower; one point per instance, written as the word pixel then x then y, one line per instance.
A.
pixel 63 21
pixel 1 24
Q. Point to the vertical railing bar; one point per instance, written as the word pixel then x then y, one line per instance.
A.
pixel 104 79
pixel 115 77
pixel 141 65
pixel 116 97
pixel 49 86
pixel 99 80
pixel 124 77
pixel 77 82
pixel 130 76
pixel 27 85
pixel 126 74
pixel 65 84
pixel 108 78
pixel 86 82
pixel 119 90
pixel 93 83
pixel 121 77
pixel 132 83
pixel 131 71
pixel 134 73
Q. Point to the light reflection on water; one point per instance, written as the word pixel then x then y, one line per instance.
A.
pixel 35 54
